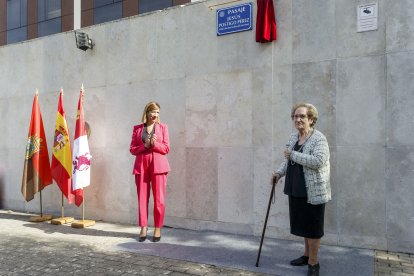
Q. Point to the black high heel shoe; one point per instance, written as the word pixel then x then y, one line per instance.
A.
pixel 158 231
pixel 143 238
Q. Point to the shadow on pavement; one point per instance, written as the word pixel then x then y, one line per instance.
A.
pixel 238 251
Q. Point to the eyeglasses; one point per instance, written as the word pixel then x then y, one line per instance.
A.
pixel 301 116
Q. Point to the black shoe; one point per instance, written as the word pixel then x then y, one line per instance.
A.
pixel 143 230
pixel 156 239
pixel 300 261
pixel 313 270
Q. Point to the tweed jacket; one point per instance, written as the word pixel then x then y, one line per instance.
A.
pixel 315 161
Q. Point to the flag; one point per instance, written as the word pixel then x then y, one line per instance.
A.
pixel 62 155
pixel 265 21
pixel 81 175
pixel 36 172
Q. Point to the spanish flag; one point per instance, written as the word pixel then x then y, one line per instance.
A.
pixel 62 155
pixel 36 172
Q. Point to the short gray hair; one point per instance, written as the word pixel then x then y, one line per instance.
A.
pixel 312 112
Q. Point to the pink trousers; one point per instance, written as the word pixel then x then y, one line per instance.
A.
pixel 145 181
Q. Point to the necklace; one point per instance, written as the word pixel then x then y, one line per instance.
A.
pixel 301 147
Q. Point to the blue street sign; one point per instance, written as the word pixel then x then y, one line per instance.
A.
pixel 234 19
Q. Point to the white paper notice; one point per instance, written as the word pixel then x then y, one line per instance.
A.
pixel 367 17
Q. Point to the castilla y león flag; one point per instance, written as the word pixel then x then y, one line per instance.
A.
pixel 36 172
pixel 81 156
pixel 62 155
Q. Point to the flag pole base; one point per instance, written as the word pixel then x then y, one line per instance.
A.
pixel 40 218
pixel 82 223
pixel 62 220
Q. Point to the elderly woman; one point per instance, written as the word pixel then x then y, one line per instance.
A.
pixel 150 144
pixel 306 170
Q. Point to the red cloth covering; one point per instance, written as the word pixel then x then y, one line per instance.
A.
pixel 265 21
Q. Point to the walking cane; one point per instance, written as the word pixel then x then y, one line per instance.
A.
pixel 267 216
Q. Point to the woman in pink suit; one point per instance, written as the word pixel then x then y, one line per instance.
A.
pixel 150 144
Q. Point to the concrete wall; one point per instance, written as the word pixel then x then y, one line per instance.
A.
pixel 227 102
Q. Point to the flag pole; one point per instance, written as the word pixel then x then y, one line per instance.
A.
pixel 62 219
pixel 62 209
pixel 41 217
pixel 41 205
pixel 59 164
pixel 83 223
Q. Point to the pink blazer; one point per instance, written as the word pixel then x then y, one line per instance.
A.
pixel 159 150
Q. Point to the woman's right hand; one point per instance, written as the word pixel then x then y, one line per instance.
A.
pixel 153 140
pixel 275 178
pixel 148 142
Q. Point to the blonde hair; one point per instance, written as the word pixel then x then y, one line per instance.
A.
pixel 148 108
pixel 312 112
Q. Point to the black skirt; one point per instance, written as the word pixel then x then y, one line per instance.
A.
pixel 306 220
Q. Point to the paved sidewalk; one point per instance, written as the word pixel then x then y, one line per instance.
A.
pixel 390 263
pixel 112 249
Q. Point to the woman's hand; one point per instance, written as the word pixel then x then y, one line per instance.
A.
pixel 287 153
pixel 275 178
pixel 153 140
pixel 148 142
